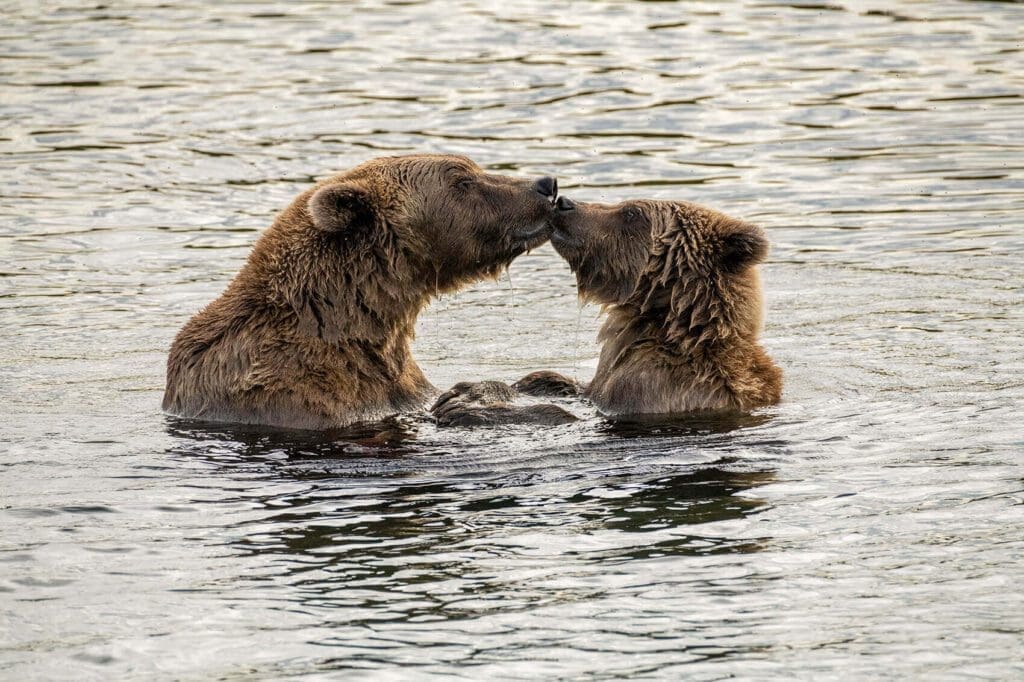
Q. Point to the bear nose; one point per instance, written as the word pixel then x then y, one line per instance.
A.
pixel 565 204
pixel 548 186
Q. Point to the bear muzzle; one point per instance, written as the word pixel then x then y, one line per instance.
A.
pixel 547 186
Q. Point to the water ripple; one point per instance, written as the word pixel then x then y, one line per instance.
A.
pixel 870 523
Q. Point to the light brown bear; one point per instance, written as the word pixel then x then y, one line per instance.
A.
pixel 685 305
pixel 685 309
pixel 314 331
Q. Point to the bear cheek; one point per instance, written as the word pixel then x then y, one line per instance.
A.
pixel 508 212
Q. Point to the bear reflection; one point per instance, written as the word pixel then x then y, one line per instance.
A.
pixel 376 523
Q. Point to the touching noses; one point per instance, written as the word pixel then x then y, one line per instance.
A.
pixel 547 186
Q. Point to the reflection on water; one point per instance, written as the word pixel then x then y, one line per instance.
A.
pixel 420 539
pixel 869 524
pixel 379 438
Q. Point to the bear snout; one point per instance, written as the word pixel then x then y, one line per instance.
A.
pixel 547 186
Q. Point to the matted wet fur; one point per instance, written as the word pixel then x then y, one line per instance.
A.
pixel 681 289
pixel 314 331
pixel 490 403
pixel 684 303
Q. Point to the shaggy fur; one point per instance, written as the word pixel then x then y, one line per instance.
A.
pixel 314 331
pixel 684 304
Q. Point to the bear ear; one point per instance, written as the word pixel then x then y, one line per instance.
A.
pixel 743 247
pixel 342 207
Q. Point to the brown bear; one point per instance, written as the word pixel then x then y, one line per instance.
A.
pixel 685 308
pixel 314 331
pixel 685 305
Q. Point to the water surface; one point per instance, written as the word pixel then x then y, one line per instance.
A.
pixel 872 525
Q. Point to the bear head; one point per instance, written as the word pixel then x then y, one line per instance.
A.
pixel 687 268
pixel 442 217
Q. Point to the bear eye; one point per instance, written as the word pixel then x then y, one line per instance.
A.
pixel 632 214
pixel 464 183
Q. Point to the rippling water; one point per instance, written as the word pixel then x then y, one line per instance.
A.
pixel 870 526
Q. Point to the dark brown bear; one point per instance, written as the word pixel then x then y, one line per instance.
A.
pixel 314 331
pixel 684 302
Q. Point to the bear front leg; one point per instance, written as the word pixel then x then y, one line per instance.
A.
pixel 547 384
pixel 489 403
pixel 498 415
pixel 480 392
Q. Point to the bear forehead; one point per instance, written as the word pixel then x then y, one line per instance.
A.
pixel 440 162
pixel 680 216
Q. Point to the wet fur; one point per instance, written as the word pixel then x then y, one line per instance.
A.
pixel 314 331
pixel 684 305
pixel 490 403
